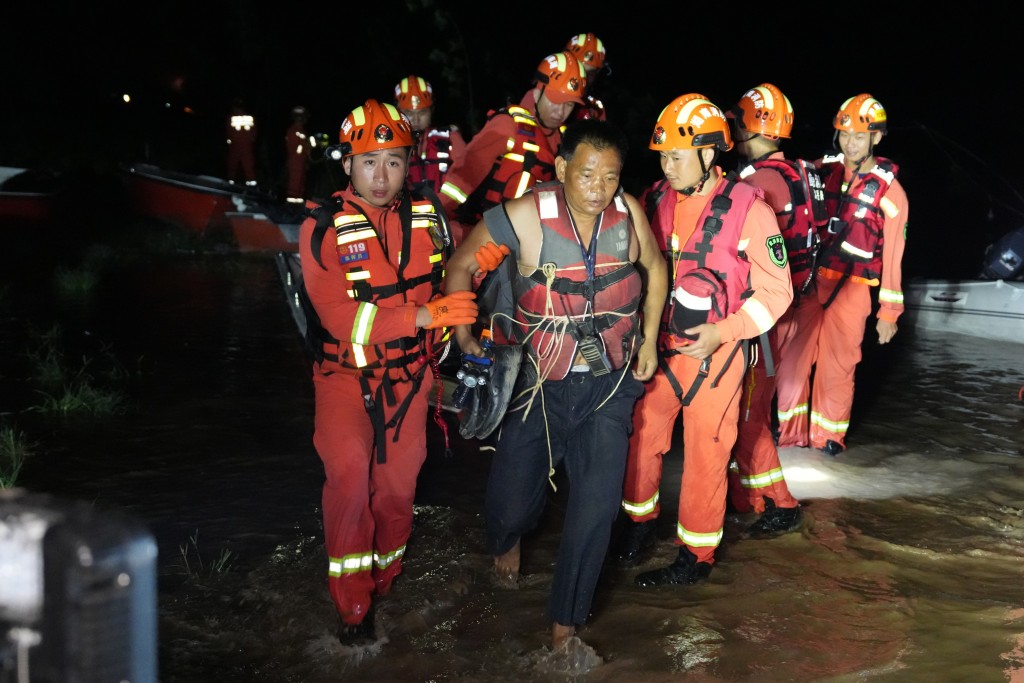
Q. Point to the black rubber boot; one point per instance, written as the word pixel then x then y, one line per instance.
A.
pixel 360 634
pixel 686 570
pixel 775 521
pixel 636 540
pixel 832 448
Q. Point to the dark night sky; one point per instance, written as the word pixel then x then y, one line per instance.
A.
pixel 68 63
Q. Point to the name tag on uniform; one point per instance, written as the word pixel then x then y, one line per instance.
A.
pixel 352 252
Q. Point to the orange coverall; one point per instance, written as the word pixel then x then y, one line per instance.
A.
pixel 241 157
pixel 710 421
pixel 480 155
pixel 830 340
pixel 367 505
pixel 296 147
pixel 759 472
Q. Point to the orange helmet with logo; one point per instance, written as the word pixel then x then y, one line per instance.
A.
pixel 691 122
pixel 562 77
pixel 861 114
pixel 588 48
pixel 374 126
pixel 413 92
pixel 764 110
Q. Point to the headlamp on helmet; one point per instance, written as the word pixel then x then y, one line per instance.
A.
pixel 371 127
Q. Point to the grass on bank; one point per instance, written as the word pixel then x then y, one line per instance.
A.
pixel 82 388
pixel 15 448
pixel 192 562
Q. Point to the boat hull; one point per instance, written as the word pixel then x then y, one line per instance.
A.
pixel 990 309
pixel 196 203
pixel 256 232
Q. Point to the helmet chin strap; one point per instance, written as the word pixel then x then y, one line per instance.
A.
pixel 699 185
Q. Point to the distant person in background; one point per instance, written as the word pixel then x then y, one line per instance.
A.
pixel 241 141
pixel 861 248
pixel 516 148
pixel 296 149
pixel 437 147
pixel 759 121
pixel 589 49
pixel 373 259
pixel 730 283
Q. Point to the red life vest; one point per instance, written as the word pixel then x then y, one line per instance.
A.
pixel 373 279
pixel 853 242
pixel 804 218
pixel 527 160
pixel 431 159
pixel 714 246
pixel 594 290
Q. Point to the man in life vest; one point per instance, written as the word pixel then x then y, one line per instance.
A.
pixel 373 259
pixel 761 119
pixel 589 49
pixel 516 148
pixel 241 141
pixel 861 248
pixel 296 150
pixel 437 147
pixel 723 232
pixel 580 251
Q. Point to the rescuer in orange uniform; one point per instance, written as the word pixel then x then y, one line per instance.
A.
pixel 437 147
pixel 373 260
pixel 762 117
pixel 296 149
pixel 241 141
pixel 723 230
pixel 861 248
pixel 589 49
pixel 516 148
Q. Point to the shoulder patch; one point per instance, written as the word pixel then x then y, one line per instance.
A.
pixel 777 250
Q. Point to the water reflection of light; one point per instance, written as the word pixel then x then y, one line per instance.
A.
pixel 806 474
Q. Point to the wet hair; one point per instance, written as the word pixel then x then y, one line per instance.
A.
pixel 600 135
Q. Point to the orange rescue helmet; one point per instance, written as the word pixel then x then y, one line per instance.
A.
pixel 861 114
pixel 691 121
pixel 764 110
pixel 413 92
pixel 562 78
pixel 374 126
pixel 588 48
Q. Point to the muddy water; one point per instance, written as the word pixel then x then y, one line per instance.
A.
pixel 909 567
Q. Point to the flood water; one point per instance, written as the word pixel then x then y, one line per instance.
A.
pixel 909 567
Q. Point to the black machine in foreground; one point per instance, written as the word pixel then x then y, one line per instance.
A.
pixel 77 593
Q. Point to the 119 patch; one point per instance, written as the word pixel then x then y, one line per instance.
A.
pixel 777 250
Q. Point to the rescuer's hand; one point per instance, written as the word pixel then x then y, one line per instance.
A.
pixel 490 255
pixel 457 308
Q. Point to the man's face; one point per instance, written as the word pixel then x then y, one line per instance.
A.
pixel 591 178
pixel 740 138
pixel 681 167
pixel 419 119
pixel 857 146
pixel 378 176
pixel 552 115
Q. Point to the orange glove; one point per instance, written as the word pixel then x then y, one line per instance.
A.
pixel 489 256
pixel 457 308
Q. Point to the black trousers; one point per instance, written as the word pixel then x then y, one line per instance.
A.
pixel 591 444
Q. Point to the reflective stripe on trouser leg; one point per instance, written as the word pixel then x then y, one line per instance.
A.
pixel 655 416
pixel 839 352
pixel 709 433
pixel 357 529
pixel 798 331
pixel 759 471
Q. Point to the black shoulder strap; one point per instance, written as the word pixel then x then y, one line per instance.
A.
pixel 324 215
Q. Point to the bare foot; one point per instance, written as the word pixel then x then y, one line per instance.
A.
pixel 506 567
pixel 561 633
